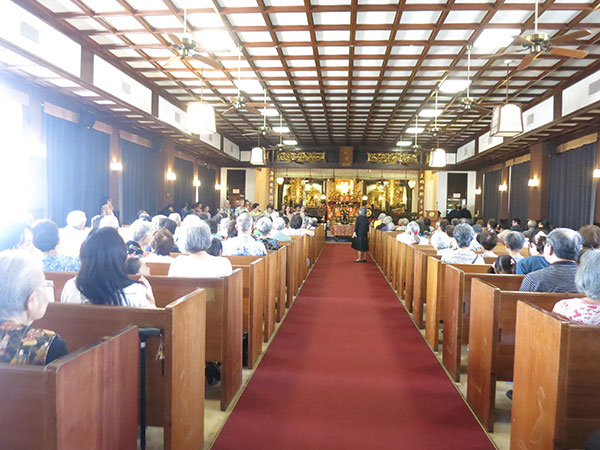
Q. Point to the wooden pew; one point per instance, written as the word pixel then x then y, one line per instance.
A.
pixel 409 263
pixel 392 253
pixel 290 271
pixel 175 390
pixel 400 268
pixel 87 399
pixel 556 399
pixel 456 304
pixel 435 285
pixel 281 281
pixel 421 255
pixel 492 341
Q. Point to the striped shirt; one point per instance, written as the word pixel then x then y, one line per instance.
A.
pixel 557 277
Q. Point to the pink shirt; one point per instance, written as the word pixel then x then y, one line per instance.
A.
pixel 579 310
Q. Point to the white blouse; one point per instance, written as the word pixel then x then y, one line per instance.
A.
pixel 135 295
pixel 191 267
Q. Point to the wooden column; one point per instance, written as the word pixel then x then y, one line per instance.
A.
pixel 538 196
pixel 166 162
pixel 504 194
pixel 479 198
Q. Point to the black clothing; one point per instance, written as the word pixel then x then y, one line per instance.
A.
pixel 361 228
pixel 133 248
pixel 381 226
pixel 464 214
pixel 516 228
pixel 57 349
pixel 453 214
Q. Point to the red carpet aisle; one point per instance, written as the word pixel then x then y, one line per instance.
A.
pixel 348 370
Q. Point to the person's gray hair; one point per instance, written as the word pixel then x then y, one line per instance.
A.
pixel 587 278
pixel 197 238
pixel 109 221
pixel 244 222
pixel 156 221
pixel 413 228
pixel 387 220
pixel 403 222
pixel 362 211
pixel 531 224
pixel 190 220
pixel 565 242
pixel 224 223
pixel 264 226
pixel 140 229
pixel 278 224
pixel 175 217
pixel 381 216
pixel 76 219
pixel 390 226
pixel 463 234
pixel 514 240
pixel 20 274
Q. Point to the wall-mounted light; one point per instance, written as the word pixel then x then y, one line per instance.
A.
pixel 171 176
pixel 197 182
pixel 596 174
pixel 217 187
pixel 503 187
pixel 280 180
pixel 412 184
pixel 477 191
pixel 533 182
pixel 116 166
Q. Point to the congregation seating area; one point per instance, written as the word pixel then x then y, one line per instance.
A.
pixel 484 331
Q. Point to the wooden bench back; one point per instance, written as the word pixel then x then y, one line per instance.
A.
pixel 175 398
pixel 556 402
pixel 409 272
pixel 421 255
pixel 86 399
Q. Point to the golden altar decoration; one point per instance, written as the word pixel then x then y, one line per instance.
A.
pixel 344 197
pixel 301 157
pixel 300 192
pixel 385 195
pixel 386 158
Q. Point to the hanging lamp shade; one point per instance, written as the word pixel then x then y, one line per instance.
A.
pixel 438 158
pixel 507 121
pixel 201 118
pixel 257 157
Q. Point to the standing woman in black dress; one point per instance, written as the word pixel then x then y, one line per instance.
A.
pixel 360 240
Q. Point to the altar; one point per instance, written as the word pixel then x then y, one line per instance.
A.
pixel 340 230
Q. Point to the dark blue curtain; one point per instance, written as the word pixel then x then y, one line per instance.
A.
pixel 570 187
pixel 519 192
pixel 78 168
pixel 206 193
pixel 184 184
pixel 491 195
pixel 140 175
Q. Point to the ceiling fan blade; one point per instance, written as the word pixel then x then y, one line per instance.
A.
pixel 252 110
pixel 520 40
pixel 208 61
pixel 568 53
pixel 499 55
pixel 258 105
pixel 569 37
pixel 527 60
pixel 172 59
pixel 481 108
pixel 175 39
pixel 250 134
pixel 228 110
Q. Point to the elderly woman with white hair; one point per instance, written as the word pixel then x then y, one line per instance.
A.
pixel 411 235
pixel 463 234
pixel 586 310
pixel 199 264
pixel 388 224
pixel 243 244
pixel 141 234
pixel 23 299
pixel 109 221
pixel 73 235
pixel 277 230
pixel 264 227
pixel 360 237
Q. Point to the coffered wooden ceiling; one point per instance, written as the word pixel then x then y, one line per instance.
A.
pixel 339 71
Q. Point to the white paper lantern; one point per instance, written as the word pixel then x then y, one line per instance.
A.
pixel 507 121
pixel 201 118
pixel 438 158
pixel 257 157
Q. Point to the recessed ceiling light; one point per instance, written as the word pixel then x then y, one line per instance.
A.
pixel 430 112
pixel 495 38
pixel 269 112
pixel 281 129
pixel 290 142
pixel 415 130
pixel 454 86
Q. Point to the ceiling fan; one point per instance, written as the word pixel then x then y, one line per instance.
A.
pixel 240 101
pixel 280 146
pixel 265 129
pixel 538 43
pixel 188 48
pixel 469 102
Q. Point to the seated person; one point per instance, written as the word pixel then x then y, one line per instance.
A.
pixel 102 279
pixel 109 221
pixel 475 245
pixel 590 238
pixel 216 247
pixel 411 235
pixel 586 310
pixel 402 222
pixel 561 251
pixel 377 222
pixel 264 226
pixel 488 240
pixel 536 261
pixel 514 241
pixel 73 235
pixel 306 226
pixel 244 244
pixel 384 223
pixel 277 230
pixel 141 233
pixel 463 234
pixel 199 263
pixel 295 228
pixel 24 300
pixel 45 238
pixel 504 264
pixel 16 236
pixel 136 266
pixel 162 244
pixel 439 239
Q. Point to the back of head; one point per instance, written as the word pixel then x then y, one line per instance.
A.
pixel 488 239
pixel 587 279
pixel 20 274
pixel 169 224
pixel 140 229
pixel 45 235
pixel 95 222
pixel 531 224
pixel 232 230
pixel 590 236
pixel 516 220
pixel 387 220
pixel 390 227
pixel 505 264
pixel 175 217
pixel 162 242
pixel 213 225
pixel 381 216
pixel 157 220
pixel 463 234
pixel 413 228
pixel 443 224
pixel 362 211
pixel 538 240
pixel 244 223
pixel 264 226
pixel 279 224
pixel 296 222
pixel 12 234
pixel 492 224
pixel 216 247
pixel 103 274
pixel 403 222
pixel 477 228
pixel 191 219
pixel 454 221
pixel 514 240
pixel 76 219
pixel 110 222
pixel 450 231
pixel 197 238
pixel 565 242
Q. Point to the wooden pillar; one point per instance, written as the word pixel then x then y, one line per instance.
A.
pixel 166 162
pixel 538 196
pixel 478 197
pixel 504 194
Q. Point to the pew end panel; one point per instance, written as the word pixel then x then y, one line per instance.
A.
pixel 434 301
pixel 420 282
pixel 86 399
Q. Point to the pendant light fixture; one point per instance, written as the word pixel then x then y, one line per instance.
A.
pixel 507 119
pixel 438 156
pixel 201 115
